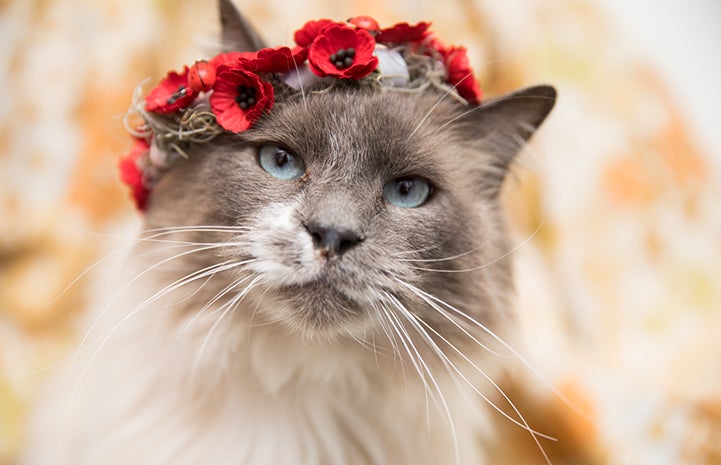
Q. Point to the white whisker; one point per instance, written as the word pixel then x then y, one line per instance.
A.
pixel 412 358
pixel 507 346
pixel 444 259
pixel 407 252
pixel 234 302
pixel 205 272
pixel 480 371
pixel 428 113
pixel 201 312
pixel 485 265
pixel 446 315
pixel 437 387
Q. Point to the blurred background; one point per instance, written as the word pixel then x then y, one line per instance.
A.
pixel 619 283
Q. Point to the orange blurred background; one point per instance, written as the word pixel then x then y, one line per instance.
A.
pixel 619 290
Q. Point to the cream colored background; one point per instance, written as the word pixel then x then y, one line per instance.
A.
pixel 615 202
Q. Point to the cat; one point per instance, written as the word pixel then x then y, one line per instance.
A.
pixel 332 286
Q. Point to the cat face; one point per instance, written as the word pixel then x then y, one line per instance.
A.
pixel 340 207
pixel 347 203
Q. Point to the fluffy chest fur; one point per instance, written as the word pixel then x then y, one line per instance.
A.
pixel 150 396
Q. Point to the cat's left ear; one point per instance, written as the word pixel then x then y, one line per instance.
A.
pixel 504 125
pixel 237 34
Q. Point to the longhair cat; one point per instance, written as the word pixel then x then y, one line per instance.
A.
pixel 347 306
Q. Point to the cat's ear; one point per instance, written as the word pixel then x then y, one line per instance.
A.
pixel 504 125
pixel 236 32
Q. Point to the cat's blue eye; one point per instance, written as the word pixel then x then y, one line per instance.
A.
pixel 281 163
pixel 407 192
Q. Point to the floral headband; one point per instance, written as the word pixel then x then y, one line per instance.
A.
pixel 231 91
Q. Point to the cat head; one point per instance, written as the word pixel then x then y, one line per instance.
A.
pixel 352 204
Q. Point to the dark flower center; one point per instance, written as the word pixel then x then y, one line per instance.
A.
pixel 246 97
pixel 343 58
pixel 180 93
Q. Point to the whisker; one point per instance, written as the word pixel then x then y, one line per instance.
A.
pixel 492 262
pixel 449 91
pixel 445 259
pixel 140 275
pixel 428 114
pixel 490 380
pixel 123 289
pixel 509 348
pixel 414 362
pixel 230 306
pixel 415 320
pixel 302 90
pixel 523 423
pixel 391 339
pixel 447 316
pixel 442 398
pixel 406 252
pixel 175 285
pixel 83 273
pixel 201 312
pixel 136 240
pixel 199 228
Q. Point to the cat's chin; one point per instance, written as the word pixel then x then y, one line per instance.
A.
pixel 318 309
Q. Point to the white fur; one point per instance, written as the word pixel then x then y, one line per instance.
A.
pixel 257 395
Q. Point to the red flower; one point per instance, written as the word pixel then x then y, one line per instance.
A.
pixel 131 174
pixel 343 52
pixel 239 98
pixel 231 58
pixel 460 75
pixel 365 22
pixel 310 30
pixel 201 76
pixel 277 60
pixel 404 32
pixel 171 95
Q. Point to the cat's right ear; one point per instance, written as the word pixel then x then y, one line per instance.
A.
pixel 237 35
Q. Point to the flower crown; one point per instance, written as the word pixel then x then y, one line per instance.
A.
pixel 231 91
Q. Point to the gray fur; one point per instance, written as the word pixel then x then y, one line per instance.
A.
pixel 353 141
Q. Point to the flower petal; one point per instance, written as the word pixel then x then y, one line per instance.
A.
pixel 278 60
pixel 171 94
pixel 227 110
pixel 132 175
pixel 310 30
pixel 404 32
pixel 460 75
pixel 336 37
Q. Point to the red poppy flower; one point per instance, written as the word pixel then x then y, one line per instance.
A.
pixel 171 95
pixel 231 58
pixel 277 60
pixel 131 174
pixel 310 30
pixel 404 32
pixel 460 75
pixel 239 98
pixel 343 52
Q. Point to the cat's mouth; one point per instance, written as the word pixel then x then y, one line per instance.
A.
pixel 330 280
pixel 320 305
pixel 328 295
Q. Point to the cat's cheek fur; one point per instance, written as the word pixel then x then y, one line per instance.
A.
pixel 282 252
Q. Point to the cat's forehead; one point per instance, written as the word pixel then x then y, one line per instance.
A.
pixel 386 130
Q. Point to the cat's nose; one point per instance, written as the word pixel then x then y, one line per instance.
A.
pixel 332 240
